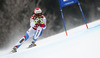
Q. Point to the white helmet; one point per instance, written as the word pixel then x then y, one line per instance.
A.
pixel 37 11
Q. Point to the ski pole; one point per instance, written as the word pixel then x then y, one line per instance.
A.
pixel 82 14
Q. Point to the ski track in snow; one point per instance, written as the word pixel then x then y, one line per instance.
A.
pixel 80 43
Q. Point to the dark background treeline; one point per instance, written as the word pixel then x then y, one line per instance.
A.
pixel 15 15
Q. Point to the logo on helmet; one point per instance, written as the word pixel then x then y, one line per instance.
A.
pixel 37 10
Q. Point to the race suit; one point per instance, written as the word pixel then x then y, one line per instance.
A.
pixel 36 28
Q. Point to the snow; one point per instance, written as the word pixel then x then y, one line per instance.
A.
pixel 80 43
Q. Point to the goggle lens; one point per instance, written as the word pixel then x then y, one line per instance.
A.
pixel 39 14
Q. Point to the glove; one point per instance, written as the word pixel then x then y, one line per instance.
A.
pixel 39 22
pixel 42 25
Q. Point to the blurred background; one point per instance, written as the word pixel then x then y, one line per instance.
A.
pixel 15 17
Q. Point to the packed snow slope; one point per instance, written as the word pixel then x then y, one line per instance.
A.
pixel 80 43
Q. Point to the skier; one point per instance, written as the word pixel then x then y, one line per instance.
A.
pixel 37 24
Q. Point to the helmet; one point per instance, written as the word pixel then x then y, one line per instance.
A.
pixel 37 11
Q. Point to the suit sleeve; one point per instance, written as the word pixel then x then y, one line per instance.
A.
pixel 32 21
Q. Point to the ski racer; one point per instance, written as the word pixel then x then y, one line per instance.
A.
pixel 37 24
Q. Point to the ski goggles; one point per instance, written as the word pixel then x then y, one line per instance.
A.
pixel 39 14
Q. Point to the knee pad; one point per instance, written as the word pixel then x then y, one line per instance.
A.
pixel 26 36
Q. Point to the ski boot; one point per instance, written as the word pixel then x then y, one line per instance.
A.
pixel 14 50
pixel 32 44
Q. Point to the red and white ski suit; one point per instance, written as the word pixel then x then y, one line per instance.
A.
pixel 35 30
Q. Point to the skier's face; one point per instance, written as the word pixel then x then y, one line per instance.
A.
pixel 38 15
